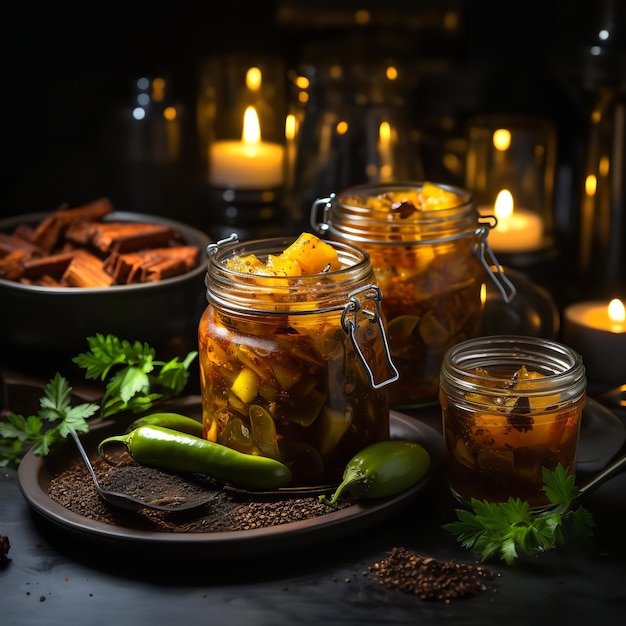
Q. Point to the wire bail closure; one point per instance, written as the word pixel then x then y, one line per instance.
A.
pixel 321 207
pixel 350 324
pixel 212 248
pixel 480 248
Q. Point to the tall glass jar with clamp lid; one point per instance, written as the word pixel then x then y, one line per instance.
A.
pixel 429 249
pixel 294 367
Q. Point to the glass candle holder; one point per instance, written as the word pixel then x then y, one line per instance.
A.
pixel 241 136
pixel 241 121
pixel 352 126
pixel 510 170
pixel 511 406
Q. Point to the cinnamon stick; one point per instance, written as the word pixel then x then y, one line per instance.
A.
pixel 86 270
pixel 130 237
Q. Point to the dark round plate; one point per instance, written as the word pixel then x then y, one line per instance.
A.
pixel 602 435
pixel 35 473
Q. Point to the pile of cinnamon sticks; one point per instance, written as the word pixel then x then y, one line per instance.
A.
pixel 74 247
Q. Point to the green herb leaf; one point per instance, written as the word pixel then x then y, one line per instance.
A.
pixel 56 420
pixel 503 530
pixel 136 380
pixel 559 487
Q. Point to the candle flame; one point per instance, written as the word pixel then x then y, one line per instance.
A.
pixel 251 127
pixel 384 132
pixel 392 72
pixel 617 311
pixel 591 184
pixel 342 127
pixel 254 78
pixel 501 139
pixel 504 205
pixel 290 127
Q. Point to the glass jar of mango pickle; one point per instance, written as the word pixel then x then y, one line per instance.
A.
pixel 430 254
pixel 293 356
pixel 511 406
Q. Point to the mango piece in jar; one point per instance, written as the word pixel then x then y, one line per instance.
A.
pixel 515 386
pixel 246 385
pixel 436 197
pixel 495 432
pixel 308 254
pixel 333 426
pixel 312 254
pixel 523 374
pixel 249 264
pixel 282 265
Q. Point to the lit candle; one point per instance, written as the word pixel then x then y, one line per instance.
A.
pixel 384 152
pixel 517 230
pixel 249 163
pixel 597 331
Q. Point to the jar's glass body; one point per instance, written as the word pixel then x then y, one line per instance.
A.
pixel 424 264
pixel 280 376
pixel 511 406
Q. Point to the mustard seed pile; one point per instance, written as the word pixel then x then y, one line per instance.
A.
pixel 429 578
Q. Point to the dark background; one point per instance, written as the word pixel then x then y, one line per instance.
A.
pixel 68 71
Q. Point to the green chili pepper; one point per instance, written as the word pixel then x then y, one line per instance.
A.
pixel 383 469
pixel 175 421
pixel 171 450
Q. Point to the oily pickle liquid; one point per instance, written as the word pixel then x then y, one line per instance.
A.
pixel 431 302
pixel 421 238
pixel 292 367
pixel 490 457
pixel 511 407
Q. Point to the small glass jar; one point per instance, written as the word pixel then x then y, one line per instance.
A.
pixel 428 253
pixel 511 406
pixel 294 367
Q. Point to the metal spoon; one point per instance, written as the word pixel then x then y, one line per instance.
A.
pixel 130 503
pixel 615 467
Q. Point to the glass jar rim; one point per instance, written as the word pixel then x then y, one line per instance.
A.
pixel 562 366
pixel 276 294
pixel 360 224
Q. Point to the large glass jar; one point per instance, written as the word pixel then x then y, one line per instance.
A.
pixel 294 367
pixel 428 248
pixel 511 406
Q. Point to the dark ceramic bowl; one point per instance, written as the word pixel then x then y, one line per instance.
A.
pixel 42 328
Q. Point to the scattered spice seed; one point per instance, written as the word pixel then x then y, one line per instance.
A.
pixel 5 546
pixel 429 578
pixel 230 510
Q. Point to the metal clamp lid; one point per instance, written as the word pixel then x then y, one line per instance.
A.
pixel 350 323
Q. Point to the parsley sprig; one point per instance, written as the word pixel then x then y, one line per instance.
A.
pixel 503 530
pixel 55 420
pixel 135 380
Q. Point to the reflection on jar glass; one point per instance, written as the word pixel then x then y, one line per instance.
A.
pixel 422 240
pixel 511 406
pixel 294 367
